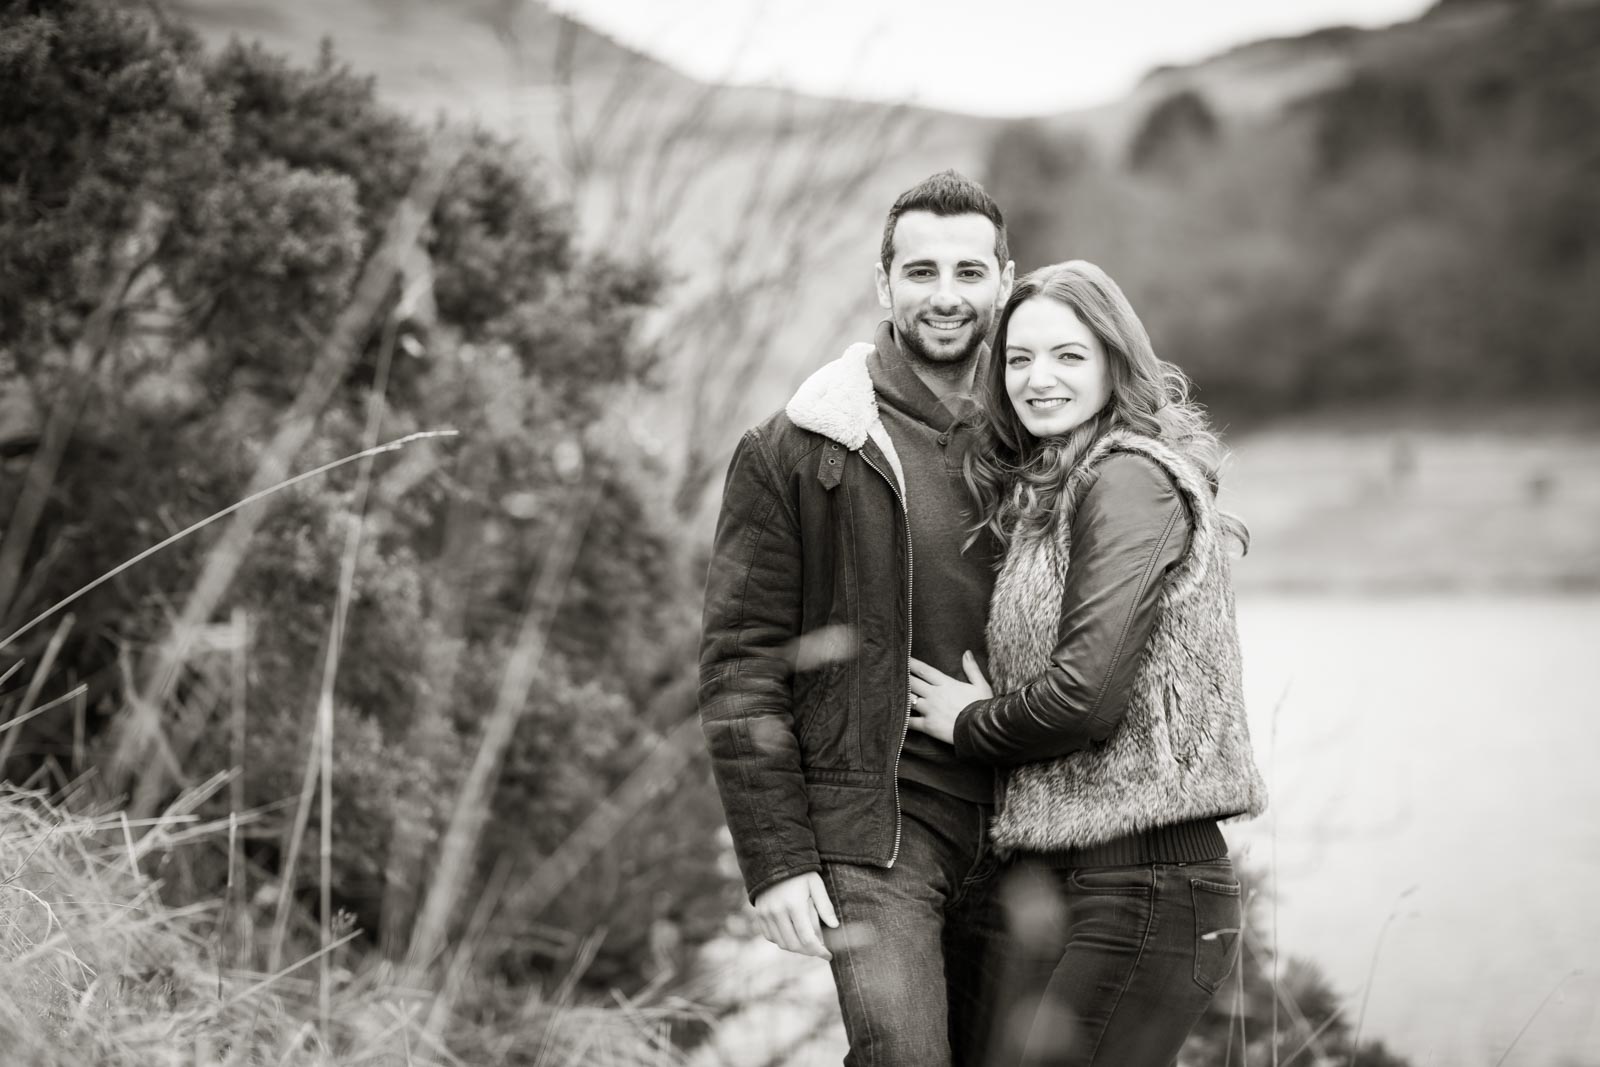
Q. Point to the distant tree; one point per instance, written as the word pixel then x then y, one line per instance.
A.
pixel 1176 128
pixel 1374 114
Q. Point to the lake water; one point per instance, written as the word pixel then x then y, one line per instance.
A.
pixel 1441 747
pixel 1447 746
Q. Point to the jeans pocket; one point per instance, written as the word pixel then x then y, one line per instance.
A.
pixel 1218 921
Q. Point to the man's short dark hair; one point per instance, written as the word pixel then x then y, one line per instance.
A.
pixel 947 193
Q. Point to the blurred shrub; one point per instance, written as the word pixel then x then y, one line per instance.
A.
pixel 273 184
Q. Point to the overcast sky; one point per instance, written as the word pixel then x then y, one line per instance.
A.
pixel 998 57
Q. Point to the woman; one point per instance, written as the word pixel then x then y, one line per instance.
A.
pixel 1116 709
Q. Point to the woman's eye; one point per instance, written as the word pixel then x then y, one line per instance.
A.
pixel 1016 361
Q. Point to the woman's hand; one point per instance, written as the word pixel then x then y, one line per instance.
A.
pixel 937 699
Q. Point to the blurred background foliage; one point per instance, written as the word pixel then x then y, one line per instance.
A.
pixel 272 183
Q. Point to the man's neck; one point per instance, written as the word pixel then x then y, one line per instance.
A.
pixel 945 380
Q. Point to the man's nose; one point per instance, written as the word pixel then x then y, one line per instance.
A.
pixel 944 296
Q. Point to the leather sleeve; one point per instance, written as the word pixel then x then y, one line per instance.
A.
pixel 752 615
pixel 1130 529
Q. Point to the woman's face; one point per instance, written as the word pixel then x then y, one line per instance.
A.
pixel 1056 372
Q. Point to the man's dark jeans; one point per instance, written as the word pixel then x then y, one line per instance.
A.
pixel 916 943
pixel 1129 965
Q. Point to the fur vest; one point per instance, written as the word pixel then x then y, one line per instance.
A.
pixel 1182 750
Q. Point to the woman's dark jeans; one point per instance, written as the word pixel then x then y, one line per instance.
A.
pixel 1139 952
pixel 915 941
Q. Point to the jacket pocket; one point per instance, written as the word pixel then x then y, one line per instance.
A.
pixel 823 703
pixel 1218 918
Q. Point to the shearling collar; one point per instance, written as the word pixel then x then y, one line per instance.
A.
pixel 838 400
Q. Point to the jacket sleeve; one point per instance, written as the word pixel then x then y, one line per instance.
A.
pixel 1130 529
pixel 752 616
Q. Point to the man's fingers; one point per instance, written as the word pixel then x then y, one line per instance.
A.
pixel 808 932
pixel 788 936
pixel 824 906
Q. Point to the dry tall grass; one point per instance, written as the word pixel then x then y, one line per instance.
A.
pixel 96 969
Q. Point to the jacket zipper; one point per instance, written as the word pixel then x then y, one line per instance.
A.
pixel 905 719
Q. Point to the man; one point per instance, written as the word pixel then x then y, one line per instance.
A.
pixel 838 555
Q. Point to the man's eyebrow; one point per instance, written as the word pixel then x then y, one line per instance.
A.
pixel 963 264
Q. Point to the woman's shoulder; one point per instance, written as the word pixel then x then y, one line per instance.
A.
pixel 1131 498
pixel 1132 487
pixel 1129 478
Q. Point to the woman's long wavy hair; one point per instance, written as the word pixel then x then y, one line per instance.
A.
pixel 1017 478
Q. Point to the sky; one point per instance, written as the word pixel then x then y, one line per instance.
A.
pixel 992 57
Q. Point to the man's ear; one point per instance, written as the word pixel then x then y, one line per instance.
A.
pixel 885 299
pixel 1008 278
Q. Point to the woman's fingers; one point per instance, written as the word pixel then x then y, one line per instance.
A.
pixel 927 671
pixel 920 686
pixel 969 663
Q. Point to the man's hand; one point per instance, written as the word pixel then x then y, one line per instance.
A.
pixel 788 912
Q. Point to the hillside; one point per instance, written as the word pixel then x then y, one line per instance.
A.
pixel 1406 214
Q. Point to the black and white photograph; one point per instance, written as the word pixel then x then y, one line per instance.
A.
pixel 787 533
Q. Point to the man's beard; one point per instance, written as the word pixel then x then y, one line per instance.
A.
pixel 911 338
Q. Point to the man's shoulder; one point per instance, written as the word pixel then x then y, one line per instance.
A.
pixel 782 441
pixel 780 434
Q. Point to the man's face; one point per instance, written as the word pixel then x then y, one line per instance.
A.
pixel 943 287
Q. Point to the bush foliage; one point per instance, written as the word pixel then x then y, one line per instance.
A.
pixel 270 186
